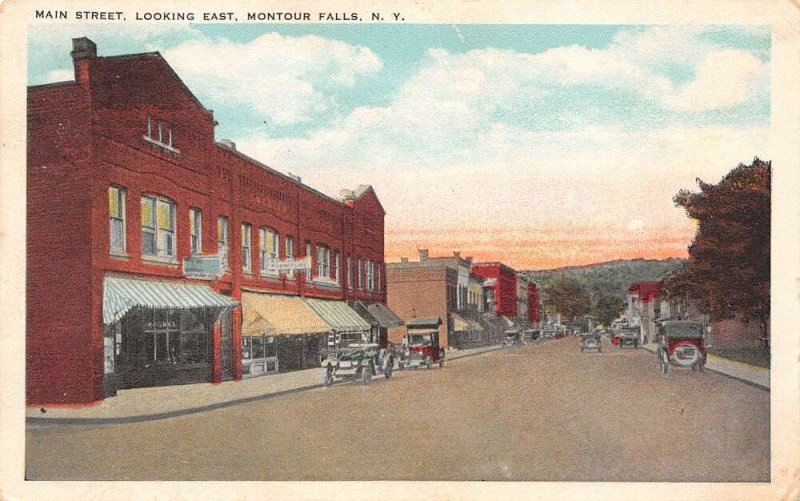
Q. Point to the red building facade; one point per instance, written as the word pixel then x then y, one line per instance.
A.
pixel 125 181
pixel 503 280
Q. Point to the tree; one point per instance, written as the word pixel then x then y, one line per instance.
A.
pixel 728 271
pixel 607 307
pixel 567 297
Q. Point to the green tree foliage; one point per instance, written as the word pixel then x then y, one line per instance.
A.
pixel 568 297
pixel 611 278
pixel 728 271
pixel 606 308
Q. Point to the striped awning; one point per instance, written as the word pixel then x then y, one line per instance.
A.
pixel 459 323
pixel 279 315
pixel 384 315
pixel 338 315
pixel 120 295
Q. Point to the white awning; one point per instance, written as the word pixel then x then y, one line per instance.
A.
pixel 120 295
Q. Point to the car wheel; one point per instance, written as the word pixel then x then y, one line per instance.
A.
pixel 328 377
pixel 389 367
pixel 428 363
pixel 441 360
pixel 663 361
pixel 366 375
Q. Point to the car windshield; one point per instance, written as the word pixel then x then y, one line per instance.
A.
pixel 689 330
pixel 419 339
pixel 350 339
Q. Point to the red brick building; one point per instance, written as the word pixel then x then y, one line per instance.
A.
pixel 417 292
pixel 501 287
pixel 130 200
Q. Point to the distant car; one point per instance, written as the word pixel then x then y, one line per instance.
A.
pixel 548 332
pixel 628 337
pixel 592 342
pixel 512 338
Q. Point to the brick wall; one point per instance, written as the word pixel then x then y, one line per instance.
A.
pixel 415 293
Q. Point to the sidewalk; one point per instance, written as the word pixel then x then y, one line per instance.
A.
pixel 750 374
pixel 149 404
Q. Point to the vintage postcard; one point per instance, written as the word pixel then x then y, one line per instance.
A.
pixel 442 250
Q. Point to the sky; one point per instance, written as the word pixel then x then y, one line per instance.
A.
pixel 536 145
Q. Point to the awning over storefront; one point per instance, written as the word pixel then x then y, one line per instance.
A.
pixel 384 315
pixel 424 324
pixel 363 312
pixel 285 315
pixel 120 295
pixel 339 316
pixel 459 323
pixel 258 326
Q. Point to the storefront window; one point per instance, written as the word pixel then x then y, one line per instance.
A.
pixel 165 337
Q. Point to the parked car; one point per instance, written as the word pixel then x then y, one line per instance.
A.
pixel 353 356
pixel 681 343
pixel 512 338
pixel 421 349
pixel 591 341
pixel 548 331
pixel 533 334
pixel 628 337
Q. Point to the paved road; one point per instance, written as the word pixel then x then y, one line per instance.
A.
pixel 539 412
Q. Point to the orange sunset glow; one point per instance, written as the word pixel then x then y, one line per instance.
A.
pixel 539 249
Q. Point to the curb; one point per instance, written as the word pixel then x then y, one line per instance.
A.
pixel 141 418
pixel 722 373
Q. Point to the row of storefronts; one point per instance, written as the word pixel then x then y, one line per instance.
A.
pixel 159 255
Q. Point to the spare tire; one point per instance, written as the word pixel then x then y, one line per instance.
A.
pixel 686 354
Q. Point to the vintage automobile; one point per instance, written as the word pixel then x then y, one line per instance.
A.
pixel 513 337
pixel 533 334
pixel 548 331
pixel 628 337
pixel 591 341
pixel 356 357
pixel 421 345
pixel 681 343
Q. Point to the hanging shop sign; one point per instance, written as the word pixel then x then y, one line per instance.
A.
pixel 289 264
pixel 205 267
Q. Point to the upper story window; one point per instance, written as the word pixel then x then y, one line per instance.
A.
pixel 349 272
pixel 116 214
pixel 323 261
pixel 269 243
pixel 222 237
pixel 158 227
pixel 290 253
pixel 308 255
pixel 195 231
pixel 246 254
pixel 370 275
pixel 160 133
pixel 360 275
pixel 338 268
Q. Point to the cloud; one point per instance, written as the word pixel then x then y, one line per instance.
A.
pixel 724 78
pixel 61 75
pixel 288 80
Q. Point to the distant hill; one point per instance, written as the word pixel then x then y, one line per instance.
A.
pixel 613 277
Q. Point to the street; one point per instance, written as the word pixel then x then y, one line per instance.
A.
pixel 541 412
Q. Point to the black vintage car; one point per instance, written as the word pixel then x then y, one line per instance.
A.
pixel 628 336
pixel 591 341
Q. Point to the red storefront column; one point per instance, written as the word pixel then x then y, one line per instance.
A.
pixel 216 354
pixel 236 340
